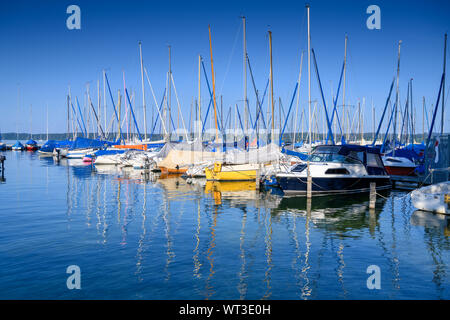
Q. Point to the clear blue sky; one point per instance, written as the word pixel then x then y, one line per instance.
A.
pixel 42 57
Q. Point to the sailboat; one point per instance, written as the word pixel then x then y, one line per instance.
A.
pixel 2 144
pixel 31 145
pixel 18 146
pixel 235 172
pixel 49 146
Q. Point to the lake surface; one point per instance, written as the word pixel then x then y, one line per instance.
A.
pixel 138 236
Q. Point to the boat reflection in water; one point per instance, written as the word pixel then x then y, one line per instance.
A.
pixel 164 237
pixel 238 193
pixel 341 213
pixel 433 221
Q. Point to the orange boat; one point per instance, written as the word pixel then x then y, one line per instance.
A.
pixel 131 146
pixel 175 170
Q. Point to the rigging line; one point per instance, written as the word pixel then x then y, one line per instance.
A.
pixel 230 57
pixel 323 98
pixel 259 105
pixel 81 115
pixel 179 108
pixel 132 112
pixel 154 99
pixel 159 112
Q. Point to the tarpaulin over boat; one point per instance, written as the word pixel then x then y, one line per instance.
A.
pixel 108 152
pixel 293 153
pixel 18 144
pixel 64 143
pixel 184 154
pixel 405 153
pixel 83 143
pixel 31 141
pixel 50 145
pixel 266 154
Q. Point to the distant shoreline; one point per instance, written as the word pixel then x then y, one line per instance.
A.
pixel 368 136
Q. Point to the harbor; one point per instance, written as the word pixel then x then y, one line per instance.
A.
pixel 149 237
pixel 230 168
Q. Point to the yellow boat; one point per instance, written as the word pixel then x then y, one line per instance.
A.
pixel 231 172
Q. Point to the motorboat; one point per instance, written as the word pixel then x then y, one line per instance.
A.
pixel 336 169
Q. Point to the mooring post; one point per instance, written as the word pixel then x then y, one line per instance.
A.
pixel 2 160
pixel 373 195
pixel 258 177
pixel 308 183
pixel 58 155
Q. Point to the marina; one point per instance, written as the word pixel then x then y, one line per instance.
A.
pixel 150 237
pixel 201 172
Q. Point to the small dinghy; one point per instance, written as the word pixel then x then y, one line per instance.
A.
pixel 432 198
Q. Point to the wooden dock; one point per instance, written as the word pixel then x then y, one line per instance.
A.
pixel 407 182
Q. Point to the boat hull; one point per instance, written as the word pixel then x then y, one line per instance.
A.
pixel 243 172
pixel 173 170
pixel 400 171
pixel 78 154
pixel 45 154
pixel 30 147
pixel 327 185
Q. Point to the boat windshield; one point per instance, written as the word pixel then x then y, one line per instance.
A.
pixel 333 157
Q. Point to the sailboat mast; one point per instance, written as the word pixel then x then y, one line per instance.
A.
pixel 119 103
pixel 199 100
pixel 309 76
pixel 309 178
pixel 98 107
pixel 298 97
pixel 443 85
pixel 245 80
pixel 423 118
pixel 169 94
pixel 343 89
pixel 18 111
pixel 213 83
pixel 47 121
pixel 104 102
pixel 271 84
pixel 68 117
pixel 373 120
pixel 397 98
pixel 31 121
pixel 143 91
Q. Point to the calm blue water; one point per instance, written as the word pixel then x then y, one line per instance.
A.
pixel 165 239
